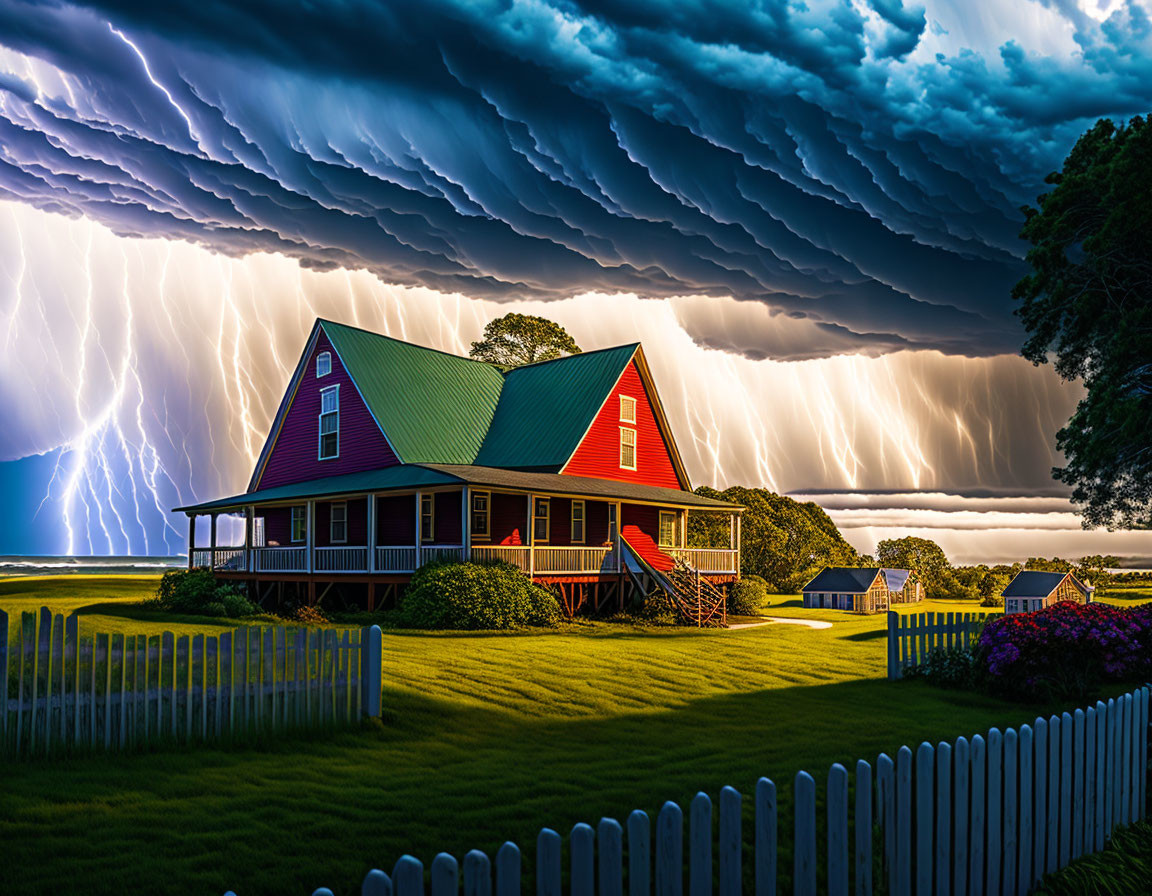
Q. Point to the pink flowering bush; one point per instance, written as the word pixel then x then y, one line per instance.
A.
pixel 1066 651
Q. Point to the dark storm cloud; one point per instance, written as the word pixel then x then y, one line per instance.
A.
pixel 801 156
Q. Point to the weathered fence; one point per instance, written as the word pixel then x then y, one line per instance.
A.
pixel 982 817
pixel 912 636
pixel 117 691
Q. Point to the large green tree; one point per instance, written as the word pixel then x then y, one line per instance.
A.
pixel 1088 303
pixel 783 541
pixel 517 339
pixel 929 562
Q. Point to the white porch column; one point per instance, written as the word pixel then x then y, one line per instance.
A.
pixel 419 504
pixel 191 537
pixel 530 532
pixel 466 523
pixel 736 516
pixel 249 523
pixel 212 541
pixel 617 536
pixel 371 511
pixel 683 529
pixel 309 520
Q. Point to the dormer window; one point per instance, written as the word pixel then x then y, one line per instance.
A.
pixel 323 364
pixel 330 423
pixel 627 409
pixel 627 448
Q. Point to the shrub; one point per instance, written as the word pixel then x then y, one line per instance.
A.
pixel 471 596
pixel 748 596
pixel 307 615
pixel 197 593
pixel 1066 651
pixel 992 600
pixel 957 669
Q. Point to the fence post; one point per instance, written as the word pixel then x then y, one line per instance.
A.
pixel 376 883
pixel 903 823
pixel 508 870
pixel 1024 873
pixel 1039 796
pixel 610 838
pixel 699 846
pixel 765 838
pixel 943 818
pixel 582 855
pixel 893 645
pixel 639 854
pixel 837 830
pixel 1065 789
pixel 371 670
pixel 548 863
pixel 669 851
pixel 1078 783
pixel 408 877
pixel 886 815
pixel 477 874
pixel 961 779
pixel 730 843
pixel 804 826
pixel 992 848
pixel 863 828
pixel 978 811
pixel 925 756
pixel 1009 853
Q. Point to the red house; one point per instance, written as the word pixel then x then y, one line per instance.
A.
pixel 384 456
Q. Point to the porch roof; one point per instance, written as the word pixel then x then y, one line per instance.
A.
pixel 410 476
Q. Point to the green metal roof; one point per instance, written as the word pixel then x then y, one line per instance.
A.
pixel 433 407
pixel 546 408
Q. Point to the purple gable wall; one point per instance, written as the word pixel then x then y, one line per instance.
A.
pixel 294 456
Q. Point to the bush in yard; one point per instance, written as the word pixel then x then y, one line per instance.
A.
pixel 197 593
pixel 468 596
pixel 748 596
pixel 1067 651
pixel 957 669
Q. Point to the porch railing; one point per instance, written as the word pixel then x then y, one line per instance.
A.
pixel 518 556
pixel 574 560
pixel 342 559
pixel 279 559
pixel 708 559
pixel 221 558
pixel 396 558
pixel 441 553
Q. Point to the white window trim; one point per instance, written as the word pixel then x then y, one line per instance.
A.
pixel 292 524
pixel 660 526
pixel 320 423
pixel 546 516
pixel 627 401
pixel 327 356
pixel 624 466
pixel 487 533
pixel 583 523
pixel 343 505
pixel 428 501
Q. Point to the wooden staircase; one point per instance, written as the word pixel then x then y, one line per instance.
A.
pixel 690 595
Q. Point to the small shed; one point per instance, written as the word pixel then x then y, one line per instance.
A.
pixel 859 590
pixel 1033 590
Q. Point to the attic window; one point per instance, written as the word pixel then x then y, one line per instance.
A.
pixel 330 423
pixel 627 448
pixel 627 409
pixel 323 364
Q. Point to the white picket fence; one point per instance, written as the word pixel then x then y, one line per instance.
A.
pixel 982 817
pixel 912 636
pixel 116 691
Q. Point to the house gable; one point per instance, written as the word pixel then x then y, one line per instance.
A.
pixel 657 460
pixel 292 451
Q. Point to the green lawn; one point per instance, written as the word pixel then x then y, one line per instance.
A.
pixel 486 737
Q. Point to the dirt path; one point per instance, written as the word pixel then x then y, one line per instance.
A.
pixel 807 623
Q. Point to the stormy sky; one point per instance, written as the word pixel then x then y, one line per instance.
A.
pixel 804 188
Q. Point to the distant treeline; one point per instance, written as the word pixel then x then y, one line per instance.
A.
pixel 787 542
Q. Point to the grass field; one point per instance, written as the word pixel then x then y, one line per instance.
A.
pixel 486 737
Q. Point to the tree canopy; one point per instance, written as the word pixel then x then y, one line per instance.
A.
pixel 517 339
pixel 783 541
pixel 1088 301
pixel 928 560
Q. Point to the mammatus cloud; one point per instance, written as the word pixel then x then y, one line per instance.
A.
pixel 842 164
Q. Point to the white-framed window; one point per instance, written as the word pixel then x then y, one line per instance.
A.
pixel 427 517
pixel 627 409
pixel 627 448
pixel 323 364
pixel 541 519
pixel 299 524
pixel 338 524
pixel 329 423
pixel 481 512
pixel 667 530
pixel 577 522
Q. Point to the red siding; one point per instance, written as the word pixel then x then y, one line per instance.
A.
pixel 598 455
pixel 294 456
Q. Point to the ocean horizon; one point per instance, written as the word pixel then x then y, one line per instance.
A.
pixel 62 564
